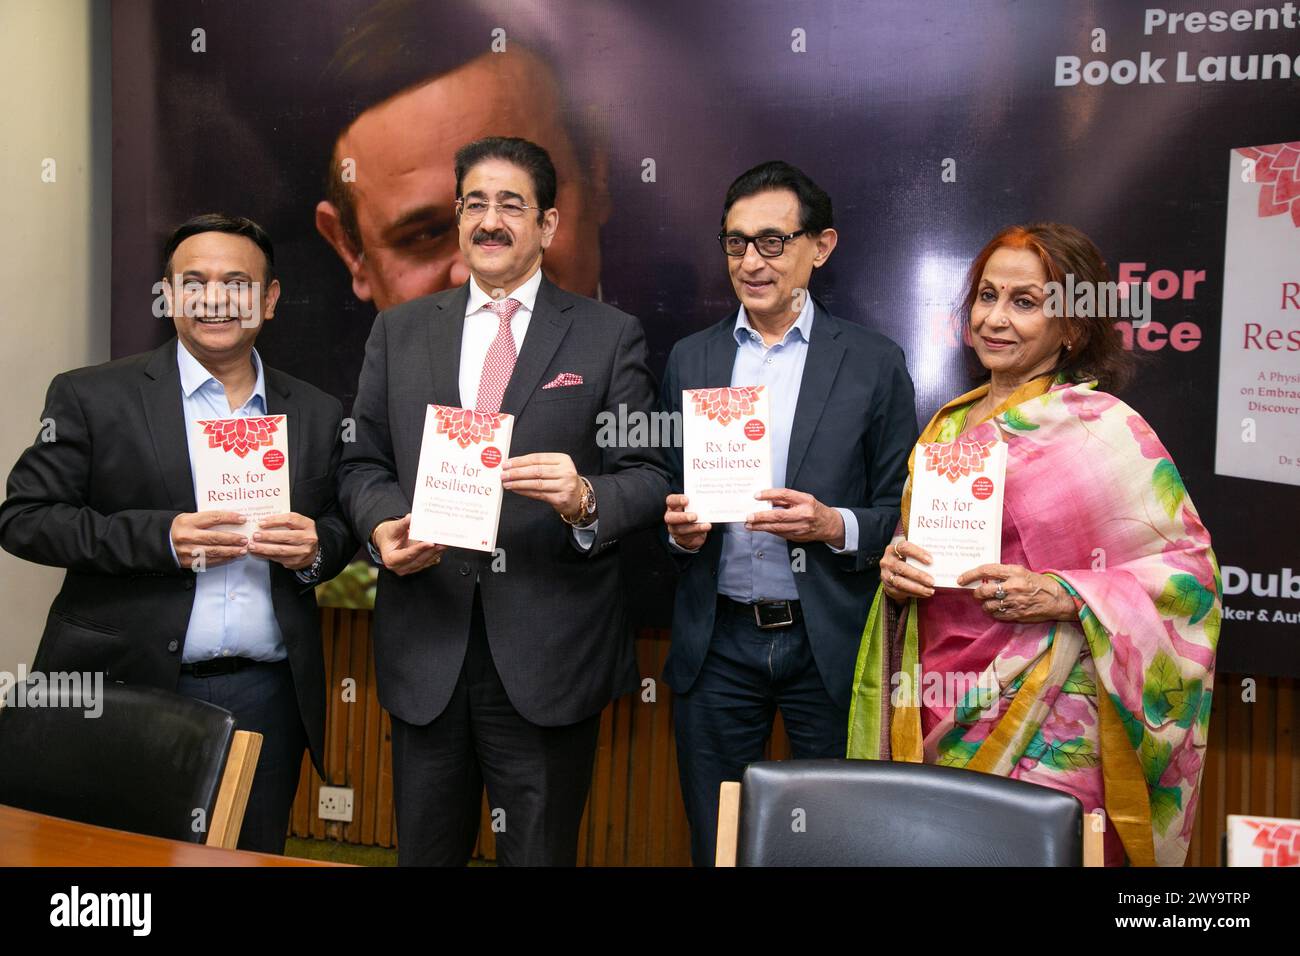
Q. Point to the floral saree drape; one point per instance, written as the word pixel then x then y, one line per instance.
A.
pixel 1113 707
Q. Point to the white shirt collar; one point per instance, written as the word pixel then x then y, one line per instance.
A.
pixel 194 376
pixel 803 324
pixel 526 294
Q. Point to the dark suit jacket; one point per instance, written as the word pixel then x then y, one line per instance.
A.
pixel 99 500
pixel 555 614
pixel 854 426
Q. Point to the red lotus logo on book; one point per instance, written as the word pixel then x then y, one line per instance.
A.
pixel 241 435
pixel 1277 170
pixel 465 426
pixel 725 405
pixel 957 459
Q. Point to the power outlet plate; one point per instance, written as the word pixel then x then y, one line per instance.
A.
pixel 335 804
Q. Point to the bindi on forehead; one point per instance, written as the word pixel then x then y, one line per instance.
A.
pixel 1012 283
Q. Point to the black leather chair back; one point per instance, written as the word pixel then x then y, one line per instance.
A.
pixel 145 764
pixel 879 813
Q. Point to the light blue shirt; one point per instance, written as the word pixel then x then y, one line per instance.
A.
pixel 233 615
pixel 755 565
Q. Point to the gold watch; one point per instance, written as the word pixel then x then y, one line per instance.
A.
pixel 586 505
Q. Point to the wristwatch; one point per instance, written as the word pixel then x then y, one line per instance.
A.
pixel 311 573
pixel 586 505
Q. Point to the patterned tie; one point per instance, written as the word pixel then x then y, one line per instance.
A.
pixel 500 361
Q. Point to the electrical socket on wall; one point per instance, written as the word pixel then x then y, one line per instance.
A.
pixel 335 804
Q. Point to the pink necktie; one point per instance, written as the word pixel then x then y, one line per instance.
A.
pixel 500 361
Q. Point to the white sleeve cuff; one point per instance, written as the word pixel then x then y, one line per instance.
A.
pixel 850 533
pixel 586 536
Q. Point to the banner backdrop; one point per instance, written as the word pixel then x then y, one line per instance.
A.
pixel 1169 134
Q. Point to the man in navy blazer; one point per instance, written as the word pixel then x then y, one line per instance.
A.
pixel 769 613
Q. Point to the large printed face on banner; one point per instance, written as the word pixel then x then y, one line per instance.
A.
pixel 404 192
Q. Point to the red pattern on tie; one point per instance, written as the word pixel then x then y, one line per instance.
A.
pixel 500 361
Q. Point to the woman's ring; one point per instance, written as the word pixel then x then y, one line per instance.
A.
pixel 1002 608
pixel 1000 593
pixel 898 554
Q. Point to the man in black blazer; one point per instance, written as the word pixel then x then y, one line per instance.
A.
pixel 155 594
pixel 495 667
pixel 769 613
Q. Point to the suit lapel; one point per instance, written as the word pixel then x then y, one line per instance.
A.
pixel 720 355
pixel 160 394
pixel 446 330
pixel 280 401
pixel 823 361
pixel 546 330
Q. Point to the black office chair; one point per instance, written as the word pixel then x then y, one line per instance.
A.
pixel 145 764
pixel 879 813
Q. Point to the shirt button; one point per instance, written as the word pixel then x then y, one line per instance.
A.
pixel 769 361
pixel 225 653
pixel 232 595
pixel 464 569
pixel 760 554
pixel 172 646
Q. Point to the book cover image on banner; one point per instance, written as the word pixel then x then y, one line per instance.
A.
pixel 956 510
pixel 457 499
pixel 1263 841
pixel 241 464
pixel 1258 434
pixel 726 452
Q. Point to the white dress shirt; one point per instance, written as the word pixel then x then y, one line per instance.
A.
pixel 481 325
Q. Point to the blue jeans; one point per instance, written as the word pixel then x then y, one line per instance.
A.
pixel 724 721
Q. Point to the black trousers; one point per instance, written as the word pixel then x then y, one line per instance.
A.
pixel 262 699
pixel 723 722
pixel 537 778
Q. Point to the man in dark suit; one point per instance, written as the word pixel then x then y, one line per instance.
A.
pixel 769 613
pixel 155 592
pixel 495 667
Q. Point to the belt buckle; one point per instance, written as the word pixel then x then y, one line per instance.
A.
pixel 203 668
pixel 216 666
pixel 768 622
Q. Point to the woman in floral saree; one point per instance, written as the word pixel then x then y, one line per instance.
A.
pixel 1088 652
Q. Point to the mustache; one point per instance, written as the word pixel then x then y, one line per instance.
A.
pixel 496 235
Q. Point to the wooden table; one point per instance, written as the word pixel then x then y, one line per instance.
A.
pixel 34 839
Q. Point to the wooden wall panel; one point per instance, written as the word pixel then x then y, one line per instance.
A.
pixel 635 816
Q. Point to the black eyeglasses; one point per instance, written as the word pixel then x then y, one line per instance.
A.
pixel 769 247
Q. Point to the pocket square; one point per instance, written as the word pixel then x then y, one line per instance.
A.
pixel 564 379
